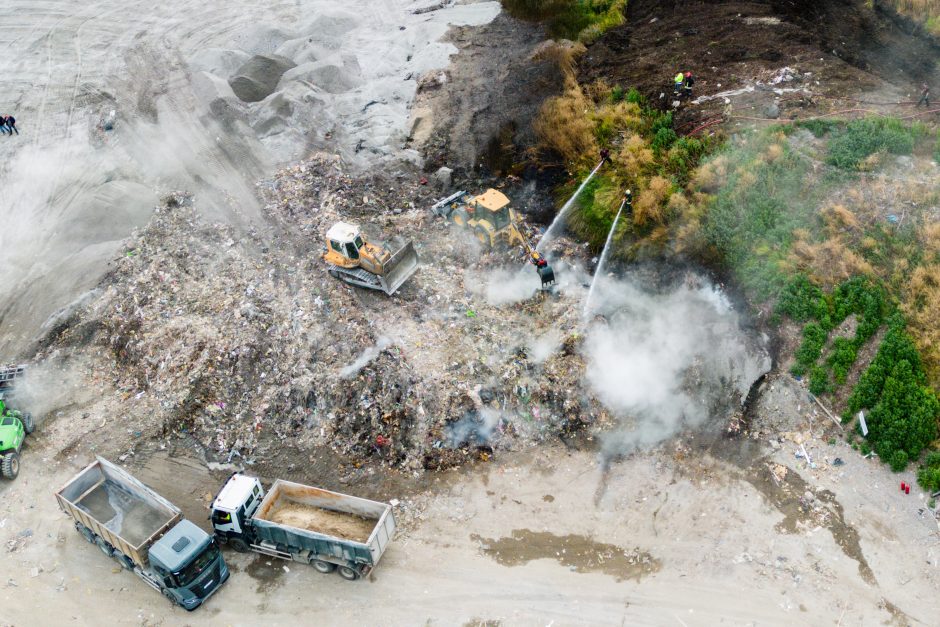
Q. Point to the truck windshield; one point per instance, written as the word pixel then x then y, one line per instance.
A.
pixel 198 565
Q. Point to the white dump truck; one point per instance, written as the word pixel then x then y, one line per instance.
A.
pixel 328 530
pixel 144 532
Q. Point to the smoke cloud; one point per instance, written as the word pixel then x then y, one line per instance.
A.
pixel 365 357
pixel 665 361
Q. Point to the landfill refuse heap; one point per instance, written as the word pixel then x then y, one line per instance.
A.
pixel 243 341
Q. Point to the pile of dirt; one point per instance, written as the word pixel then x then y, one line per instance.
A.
pixel 258 77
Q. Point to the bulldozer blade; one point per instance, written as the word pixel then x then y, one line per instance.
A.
pixel 400 267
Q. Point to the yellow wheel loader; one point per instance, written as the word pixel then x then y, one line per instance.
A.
pixel 492 221
pixel 371 265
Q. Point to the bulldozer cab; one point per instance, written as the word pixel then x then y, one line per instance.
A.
pixel 493 206
pixel 345 239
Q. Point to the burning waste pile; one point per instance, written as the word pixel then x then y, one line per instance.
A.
pixel 243 342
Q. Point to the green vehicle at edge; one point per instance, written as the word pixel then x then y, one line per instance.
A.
pixel 14 427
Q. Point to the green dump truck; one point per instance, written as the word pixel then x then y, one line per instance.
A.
pixel 327 530
pixel 144 532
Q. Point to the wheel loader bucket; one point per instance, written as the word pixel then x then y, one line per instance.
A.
pixel 400 267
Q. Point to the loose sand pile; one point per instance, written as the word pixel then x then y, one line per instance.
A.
pixel 337 524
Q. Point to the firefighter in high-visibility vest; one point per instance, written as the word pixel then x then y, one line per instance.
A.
pixel 678 82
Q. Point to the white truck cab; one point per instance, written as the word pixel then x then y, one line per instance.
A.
pixel 236 502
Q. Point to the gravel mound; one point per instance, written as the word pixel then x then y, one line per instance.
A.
pixel 258 78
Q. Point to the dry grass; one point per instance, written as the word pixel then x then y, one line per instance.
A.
pixel 921 302
pixel 650 206
pixel 564 126
pixel 828 263
pixel 925 11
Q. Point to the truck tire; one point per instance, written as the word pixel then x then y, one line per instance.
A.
pixel 28 425
pixel 124 560
pixel 168 596
pixel 322 567
pixel 348 573
pixel 10 465
pixel 239 545
pixel 87 533
pixel 106 548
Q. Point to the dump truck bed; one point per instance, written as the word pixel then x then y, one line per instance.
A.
pixel 325 522
pixel 119 508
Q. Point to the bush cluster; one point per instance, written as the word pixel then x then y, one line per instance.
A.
pixel 582 20
pixel 860 139
pixel 902 409
pixel 803 301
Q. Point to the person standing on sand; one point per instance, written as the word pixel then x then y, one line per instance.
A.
pixel 11 124
pixel 3 125
pixel 924 95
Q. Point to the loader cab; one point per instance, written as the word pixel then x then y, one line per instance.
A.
pixel 236 503
pixel 493 206
pixel 345 239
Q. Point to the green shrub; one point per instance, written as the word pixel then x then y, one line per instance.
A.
pixel 616 94
pixel 634 96
pixel 842 357
pixel 814 338
pixel 819 381
pixel 898 461
pixel 801 300
pixel 819 128
pixel 570 19
pixel 863 138
pixel 929 474
pixel 905 417
pixel 897 346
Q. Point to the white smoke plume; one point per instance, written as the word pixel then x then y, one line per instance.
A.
pixel 667 361
pixel 365 357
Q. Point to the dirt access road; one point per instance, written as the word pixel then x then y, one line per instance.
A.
pixel 665 538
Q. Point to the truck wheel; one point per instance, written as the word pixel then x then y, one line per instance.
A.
pixel 106 548
pixel 323 567
pixel 87 533
pixel 11 465
pixel 28 425
pixel 168 596
pixel 348 573
pixel 239 545
pixel 125 561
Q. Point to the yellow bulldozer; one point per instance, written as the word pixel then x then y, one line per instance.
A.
pixel 371 265
pixel 492 221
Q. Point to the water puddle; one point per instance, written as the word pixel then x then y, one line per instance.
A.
pixel 579 553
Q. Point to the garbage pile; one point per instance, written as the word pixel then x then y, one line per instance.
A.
pixel 243 341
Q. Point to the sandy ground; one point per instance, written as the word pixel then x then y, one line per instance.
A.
pixel 659 539
pixel 73 190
